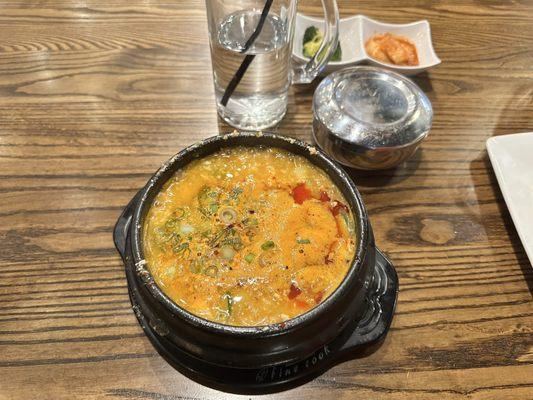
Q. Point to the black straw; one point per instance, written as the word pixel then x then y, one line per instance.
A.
pixel 259 26
pixel 236 78
pixel 248 59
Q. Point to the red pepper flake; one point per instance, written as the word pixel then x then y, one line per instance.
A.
pixel 318 297
pixel 324 197
pixel 301 303
pixel 301 193
pixel 335 210
pixel 294 291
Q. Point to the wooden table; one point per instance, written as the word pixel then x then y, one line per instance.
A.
pixel 95 95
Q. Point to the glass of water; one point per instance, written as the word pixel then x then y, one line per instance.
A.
pixel 251 47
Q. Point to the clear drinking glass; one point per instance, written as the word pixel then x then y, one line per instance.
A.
pixel 251 47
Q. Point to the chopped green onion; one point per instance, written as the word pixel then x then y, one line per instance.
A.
pixel 228 215
pixel 179 213
pixel 175 238
pixel 207 198
pixel 236 192
pixel 229 300
pixel 203 211
pixel 251 221
pixel 235 242
pixel 347 221
pixel 161 235
pixel 217 236
pixel 269 244
pixel 181 247
pixel 250 225
pixel 249 257
pixel 171 223
pixel 303 241
pixel 196 266
pixel 211 271
pixel 202 195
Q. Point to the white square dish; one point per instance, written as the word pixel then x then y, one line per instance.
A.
pixel 355 31
pixel 511 159
pixel 418 32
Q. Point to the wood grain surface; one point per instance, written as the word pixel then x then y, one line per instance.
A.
pixel 95 95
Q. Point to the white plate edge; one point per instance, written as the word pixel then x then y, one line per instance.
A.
pixel 491 143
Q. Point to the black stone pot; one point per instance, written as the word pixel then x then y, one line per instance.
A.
pixel 349 323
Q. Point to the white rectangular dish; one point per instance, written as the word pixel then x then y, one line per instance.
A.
pixel 355 31
pixel 512 160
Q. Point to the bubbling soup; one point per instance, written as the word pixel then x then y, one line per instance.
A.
pixel 249 236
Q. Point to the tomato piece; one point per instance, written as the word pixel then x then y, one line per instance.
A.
pixel 294 291
pixel 301 193
pixel 338 208
pixel 324 197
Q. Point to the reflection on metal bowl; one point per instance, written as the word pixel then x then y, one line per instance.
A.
pixel 370 118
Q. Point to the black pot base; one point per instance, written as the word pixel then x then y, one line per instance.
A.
pixel 358 339
pixel 350 323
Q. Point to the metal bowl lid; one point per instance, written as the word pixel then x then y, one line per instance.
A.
pixel 372 107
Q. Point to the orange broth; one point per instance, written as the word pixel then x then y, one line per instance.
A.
pixel 249 236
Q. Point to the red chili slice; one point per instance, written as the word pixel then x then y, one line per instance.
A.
pixel 338 208
pixel 324 197
pixel 318 297
pixel 294 291
pixel 301 193
pixel 339 229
